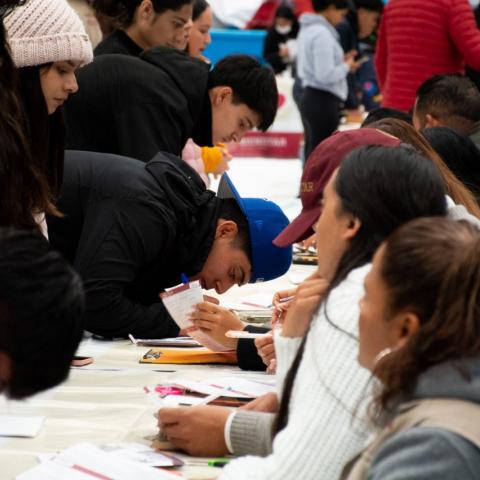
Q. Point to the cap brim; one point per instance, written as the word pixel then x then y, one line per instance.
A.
pixel 299 229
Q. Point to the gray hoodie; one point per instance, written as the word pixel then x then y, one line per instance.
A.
pixel 427 453
pixel 320 58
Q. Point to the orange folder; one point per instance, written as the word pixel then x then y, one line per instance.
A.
pixel 190 356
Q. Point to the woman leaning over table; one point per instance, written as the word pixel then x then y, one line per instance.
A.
pixel 48 43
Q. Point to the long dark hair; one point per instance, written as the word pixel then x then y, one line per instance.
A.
pixel 406 133
pixel 23 189
pixel 459 153
pixel 45 133
pixel 383 187
pixel 432 268
pixel 199 6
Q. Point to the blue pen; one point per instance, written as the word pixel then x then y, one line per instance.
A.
pixel 184 279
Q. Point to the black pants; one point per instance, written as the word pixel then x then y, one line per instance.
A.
pixel 320 112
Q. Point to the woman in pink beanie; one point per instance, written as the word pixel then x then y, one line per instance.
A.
pixel 48 43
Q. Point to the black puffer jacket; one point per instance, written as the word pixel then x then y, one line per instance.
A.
pixel 130 229
pixel 138 106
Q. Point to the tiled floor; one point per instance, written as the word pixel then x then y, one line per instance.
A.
pixel 276 180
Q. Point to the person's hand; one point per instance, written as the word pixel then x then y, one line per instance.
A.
pixel 215 321
pixel 352 65
pixel 267 403
pixel 199 431
pixel 350 54
pixel 309 242
pixel 265 348
pixel 284 51
pixel 223 166
pixel 280 306
pixel 272 367
pixel 307 299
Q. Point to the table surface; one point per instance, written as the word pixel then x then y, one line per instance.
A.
pixel 104 402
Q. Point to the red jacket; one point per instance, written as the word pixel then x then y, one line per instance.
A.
pixel 303 6
pixel 421 38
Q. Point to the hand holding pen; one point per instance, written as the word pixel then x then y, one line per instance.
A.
pixel 281 302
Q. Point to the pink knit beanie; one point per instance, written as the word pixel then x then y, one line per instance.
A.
pixel 46 31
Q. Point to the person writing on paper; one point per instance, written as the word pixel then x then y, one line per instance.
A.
pixel 130 229
pixel 138 106
pixel 322 399
pixel 217 320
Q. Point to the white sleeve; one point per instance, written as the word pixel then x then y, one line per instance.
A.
pixel 286 349
pixel 323 431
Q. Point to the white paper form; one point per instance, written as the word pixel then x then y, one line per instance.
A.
pixel 20 426
pixel 234 387
pixel 87 462
pixel 180 302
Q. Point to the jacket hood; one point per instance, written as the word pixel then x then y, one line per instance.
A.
pixel 316 21
pixel 196 208
pixel 459 380
pixel 308 19
pixel 190 76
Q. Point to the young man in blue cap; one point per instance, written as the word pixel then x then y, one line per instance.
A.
pixel 131 229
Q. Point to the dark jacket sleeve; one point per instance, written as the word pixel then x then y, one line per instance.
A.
pixel 116 243
pixel 144 129
pixel 270 52
pixel 248 358
pixel 426 453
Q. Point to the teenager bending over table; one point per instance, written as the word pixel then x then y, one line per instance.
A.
pixel 375 190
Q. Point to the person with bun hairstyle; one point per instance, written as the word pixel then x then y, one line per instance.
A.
pixel 48 43
pixel 419 337
pixel 143 24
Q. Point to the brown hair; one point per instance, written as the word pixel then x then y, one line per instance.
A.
pixel 430 266
pixel 23 189
pixel 407 134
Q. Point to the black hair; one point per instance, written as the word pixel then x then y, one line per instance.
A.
pixel 23 189
pixel 45 133
pixel 459 153
pixel 41 312
pixel 454 99
pixel 371 5
pixel 6 7
pixel 321 5
pixel 199 6
pixel 230 210
pixel 384 187
pixel 252 83
pixel 284 11
pixel 123 11
pixel 383 112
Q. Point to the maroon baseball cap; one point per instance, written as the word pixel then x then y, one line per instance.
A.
pixel 321 164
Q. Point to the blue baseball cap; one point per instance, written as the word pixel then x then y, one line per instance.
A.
pixel 265 220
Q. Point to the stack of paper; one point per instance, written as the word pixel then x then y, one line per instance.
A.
pixel 180 302
pixel 20 426
pixel 86 462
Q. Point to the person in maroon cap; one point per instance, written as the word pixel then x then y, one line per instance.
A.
pixel 324 160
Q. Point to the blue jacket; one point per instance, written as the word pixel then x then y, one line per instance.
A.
pixel 320 58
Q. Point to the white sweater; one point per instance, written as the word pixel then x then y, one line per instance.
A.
pixel 322 433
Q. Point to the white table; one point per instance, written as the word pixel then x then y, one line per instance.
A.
pixel 104 402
